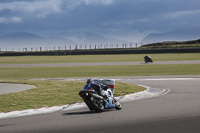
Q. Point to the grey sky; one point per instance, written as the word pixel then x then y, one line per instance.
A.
pixel 125 19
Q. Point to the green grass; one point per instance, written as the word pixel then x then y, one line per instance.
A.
pixel 95 71
pixel 51 93
pixel 95 58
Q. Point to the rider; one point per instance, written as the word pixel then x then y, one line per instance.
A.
pixel 147 57
pixel 98 88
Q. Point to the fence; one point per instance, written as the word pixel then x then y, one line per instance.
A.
pixel 67 47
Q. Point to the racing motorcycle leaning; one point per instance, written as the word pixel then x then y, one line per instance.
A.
pixel 99 103
pixel 147 59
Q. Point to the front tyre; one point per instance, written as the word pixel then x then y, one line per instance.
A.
pixel 118 106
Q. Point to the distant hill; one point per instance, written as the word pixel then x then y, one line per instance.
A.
pixel 87 38
pixel 183 34
pixel 28 40
pixel 19 40
pixel 20 36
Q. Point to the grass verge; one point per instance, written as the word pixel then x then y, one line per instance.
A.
pixel 96 71
pixel 50 93
pixel 96 58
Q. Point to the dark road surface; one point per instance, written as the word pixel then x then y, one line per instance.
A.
pixel 175 112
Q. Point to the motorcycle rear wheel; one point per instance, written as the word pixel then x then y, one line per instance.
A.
pixel 96 104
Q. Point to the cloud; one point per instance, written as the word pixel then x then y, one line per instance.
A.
pixel 181 14
pixel 15 19
pixel 71 4
pixel 3 20
pixel 40 8
pixel 12 19
pixel 43 8
pixel 95 2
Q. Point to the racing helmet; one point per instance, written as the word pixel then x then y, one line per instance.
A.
pixel 90 81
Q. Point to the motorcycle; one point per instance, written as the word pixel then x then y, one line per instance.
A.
pixel 99 103
pixel 148 59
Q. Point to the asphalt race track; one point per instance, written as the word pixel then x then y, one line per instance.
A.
pixel 10 88
pixel 175 112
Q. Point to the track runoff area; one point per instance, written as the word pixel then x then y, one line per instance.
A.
pixel 150 92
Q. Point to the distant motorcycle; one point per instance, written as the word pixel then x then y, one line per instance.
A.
pixel 99 103
pixel 147 59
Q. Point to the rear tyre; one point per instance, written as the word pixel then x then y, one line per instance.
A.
pixel 96 104
pixel 88 104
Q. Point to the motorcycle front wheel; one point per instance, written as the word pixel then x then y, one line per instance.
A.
pixel 118 105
